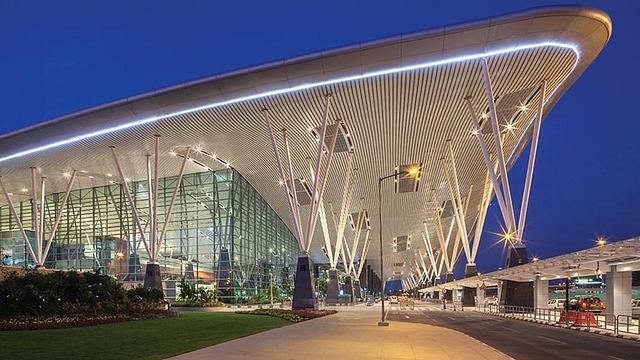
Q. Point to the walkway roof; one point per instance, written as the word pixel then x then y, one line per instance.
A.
pixel 400 99
pixel 624 254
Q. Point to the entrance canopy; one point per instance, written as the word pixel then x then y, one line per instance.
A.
pixel 403 102
pixel 624 254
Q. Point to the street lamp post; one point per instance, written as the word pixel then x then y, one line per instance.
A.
pixel 410 172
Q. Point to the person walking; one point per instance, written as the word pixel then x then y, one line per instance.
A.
pixel 444 304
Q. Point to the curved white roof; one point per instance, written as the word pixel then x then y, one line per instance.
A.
pixel 400 98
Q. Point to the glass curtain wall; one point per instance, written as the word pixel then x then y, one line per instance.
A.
pixel 222 235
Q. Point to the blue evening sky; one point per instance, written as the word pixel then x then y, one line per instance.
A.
pixel 64 56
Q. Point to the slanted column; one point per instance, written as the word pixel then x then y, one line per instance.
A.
pixel 540 293
pixel 618 292
pixel 469 293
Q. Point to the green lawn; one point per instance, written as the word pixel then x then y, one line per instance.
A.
pixel 145 339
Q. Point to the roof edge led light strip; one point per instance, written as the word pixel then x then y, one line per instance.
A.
pixel 298 88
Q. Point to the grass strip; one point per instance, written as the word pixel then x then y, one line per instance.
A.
pixel 143 339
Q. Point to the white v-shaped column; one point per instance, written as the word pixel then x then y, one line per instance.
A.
pixel 501 186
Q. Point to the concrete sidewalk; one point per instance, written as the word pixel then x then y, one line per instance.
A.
pixel 353 333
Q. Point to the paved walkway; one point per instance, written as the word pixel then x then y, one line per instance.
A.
pixel 353 333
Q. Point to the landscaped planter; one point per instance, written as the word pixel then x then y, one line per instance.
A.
pixel 202 308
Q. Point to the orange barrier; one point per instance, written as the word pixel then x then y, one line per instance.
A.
pixel 587 319
pixel 579 318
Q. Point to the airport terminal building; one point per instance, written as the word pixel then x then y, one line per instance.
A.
pixel 222 232
pixel 386 153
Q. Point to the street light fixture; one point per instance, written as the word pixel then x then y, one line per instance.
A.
pixel 412 172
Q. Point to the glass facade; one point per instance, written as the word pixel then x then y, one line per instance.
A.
pixel 221 234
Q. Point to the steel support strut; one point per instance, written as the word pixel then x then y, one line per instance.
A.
pixel 427 243
pixel 532 160
pixel 365 252
pixel 314 193
pixel 59 216
pixel 292 184
pixel 172 202
pixel 283 179
pixel 439 228
pixel 34 214
pixel 504 178
pixel 18 222
pixel 346 199
pixel 456 201
pixel 487 159
pixel 356 238
pixel 41 221
pixel 151 217
pixel 482 214
pixel 323 183
pixel 156 166
pixel 134 211
pixel 323 221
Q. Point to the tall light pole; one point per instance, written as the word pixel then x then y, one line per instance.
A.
pixel 382 282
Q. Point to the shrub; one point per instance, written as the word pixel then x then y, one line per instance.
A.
pixel 70 292
pixel 290 315
pixel 191 296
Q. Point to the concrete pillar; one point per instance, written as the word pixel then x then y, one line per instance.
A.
pixel 357 290
pixel 303 291
pixel 618 292
pixel 480 295
pixel 469 294
pixel 152 279
pixel 540 293
pixel 436 294
pixel 449 294
pixel 516 293
pixel 332 288
pixel 348 287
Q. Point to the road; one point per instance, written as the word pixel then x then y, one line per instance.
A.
pixel 520 339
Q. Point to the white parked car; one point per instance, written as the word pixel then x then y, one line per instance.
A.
pixel 556 304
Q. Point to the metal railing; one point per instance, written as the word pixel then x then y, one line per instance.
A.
pixel 617 324
pixel 627 324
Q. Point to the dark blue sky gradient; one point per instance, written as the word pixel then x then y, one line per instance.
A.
pixel 59 59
